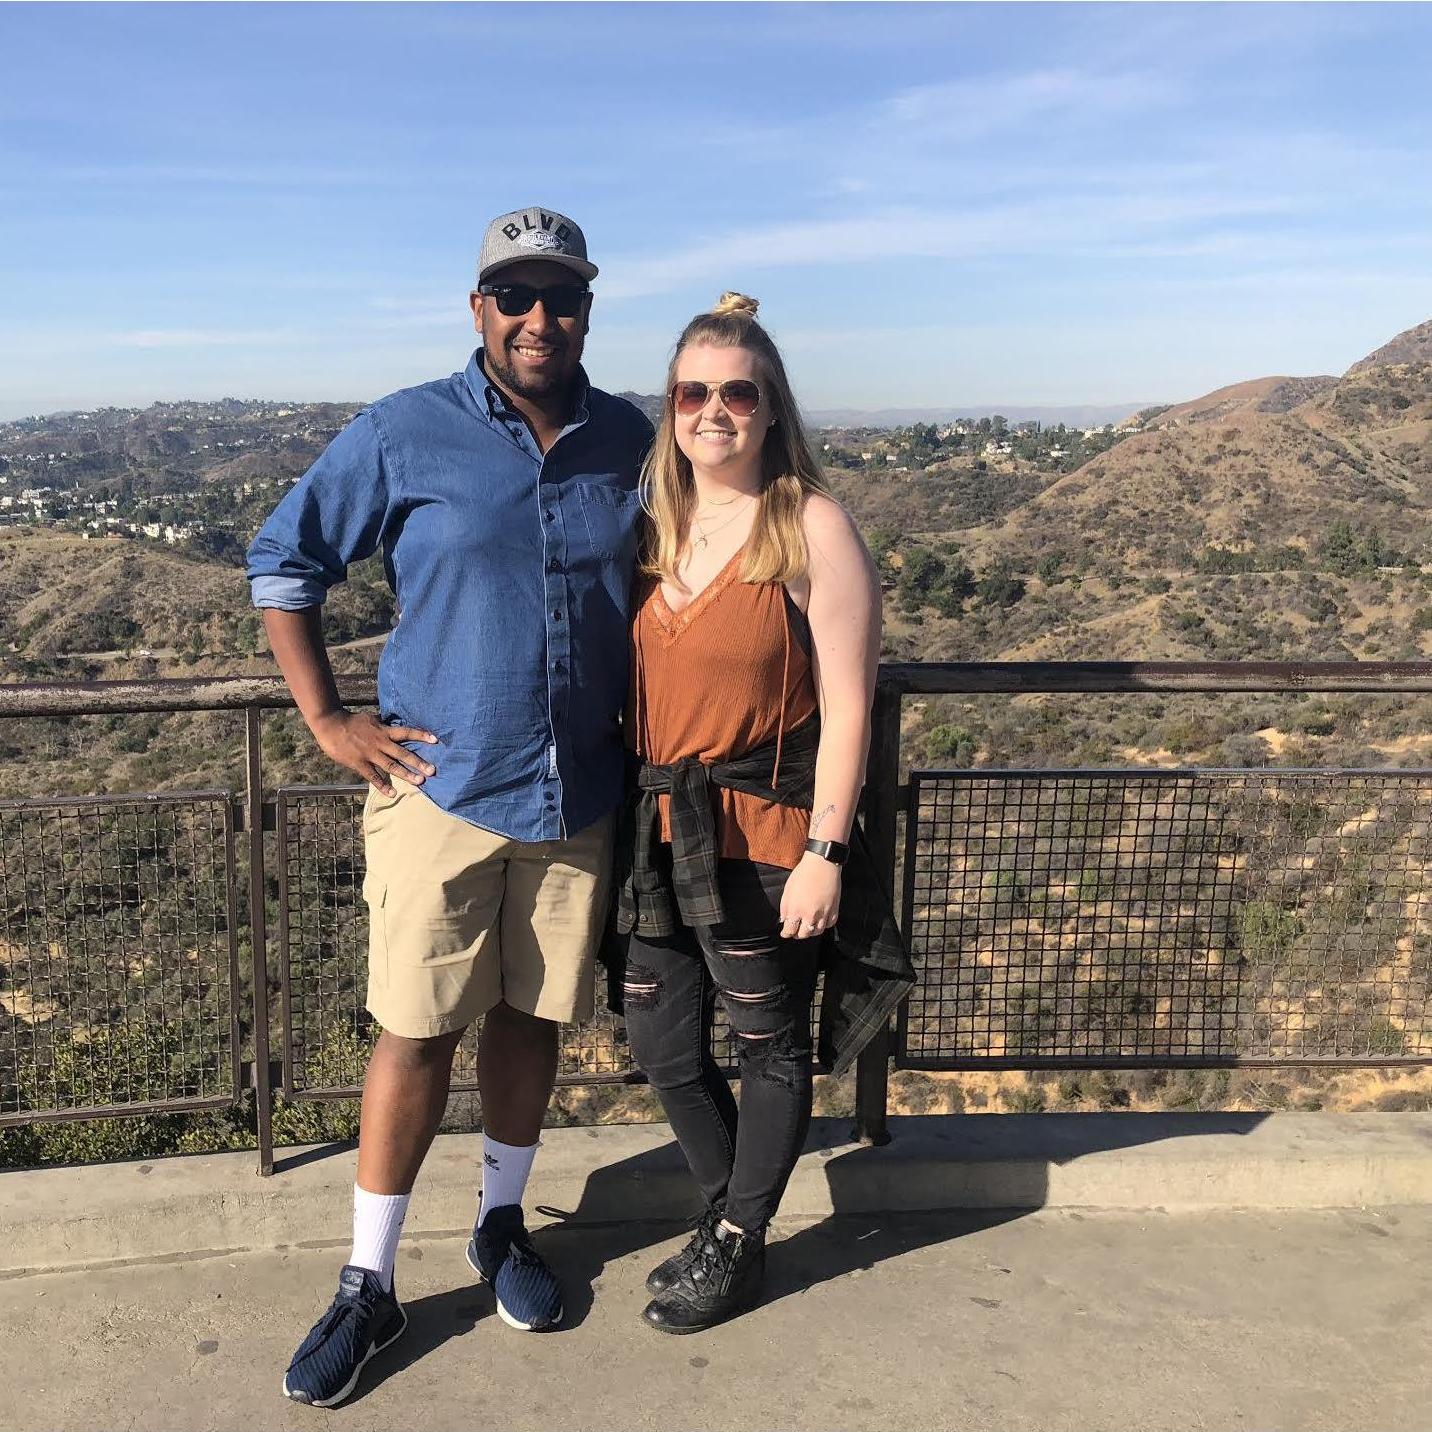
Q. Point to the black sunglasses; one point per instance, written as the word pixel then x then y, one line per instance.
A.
pixel 561 300
pixel 739 396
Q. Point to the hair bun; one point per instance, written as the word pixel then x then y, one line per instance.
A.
pixel 733 302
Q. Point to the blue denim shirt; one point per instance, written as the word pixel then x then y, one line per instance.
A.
pixel 511 571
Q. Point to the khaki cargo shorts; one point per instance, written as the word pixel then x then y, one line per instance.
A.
pixel 460 918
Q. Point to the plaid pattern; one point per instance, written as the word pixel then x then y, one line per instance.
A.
pixel 867 970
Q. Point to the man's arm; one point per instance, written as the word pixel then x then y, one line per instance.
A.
pixel 335 515
pixel 355 739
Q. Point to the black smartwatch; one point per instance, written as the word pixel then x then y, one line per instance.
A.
pixel 831 850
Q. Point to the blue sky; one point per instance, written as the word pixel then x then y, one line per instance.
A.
pixel 936 205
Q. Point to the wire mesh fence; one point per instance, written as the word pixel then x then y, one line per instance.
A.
pixel 119 985
pixel 1164 918
pixel 1091 918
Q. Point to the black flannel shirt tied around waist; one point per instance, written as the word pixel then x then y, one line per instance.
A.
pixel 867 970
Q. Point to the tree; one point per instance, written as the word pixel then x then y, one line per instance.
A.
pixel 919 576
pixel 883 538
pixel 1000 587
pixel 1338 550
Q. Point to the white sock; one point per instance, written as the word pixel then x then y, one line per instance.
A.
pixel 504 1175
pixel 377 1225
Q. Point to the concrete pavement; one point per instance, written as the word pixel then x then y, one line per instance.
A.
pixel 1131 1322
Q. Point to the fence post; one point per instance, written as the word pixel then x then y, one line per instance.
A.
pixel 258 932
pixel 882 801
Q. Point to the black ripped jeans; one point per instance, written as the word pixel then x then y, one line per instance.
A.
pixel 765 984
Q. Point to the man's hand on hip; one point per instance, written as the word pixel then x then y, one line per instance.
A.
pixel 362 743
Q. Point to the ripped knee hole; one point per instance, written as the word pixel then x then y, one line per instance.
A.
pixel 764 996
pixel 640 988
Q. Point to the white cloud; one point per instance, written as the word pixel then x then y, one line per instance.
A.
pixel 1114 225
pixel 975 108
pixel 197 338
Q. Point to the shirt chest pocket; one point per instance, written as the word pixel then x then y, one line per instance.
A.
pixel 610 514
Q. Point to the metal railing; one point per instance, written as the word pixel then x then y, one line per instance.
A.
pixel 1083 918
pixel 1170 918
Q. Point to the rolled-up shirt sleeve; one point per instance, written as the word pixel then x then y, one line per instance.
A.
pixel 334 515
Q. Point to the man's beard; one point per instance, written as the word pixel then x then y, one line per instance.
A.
pixel 535 389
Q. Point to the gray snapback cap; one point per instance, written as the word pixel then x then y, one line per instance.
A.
pixel 534 233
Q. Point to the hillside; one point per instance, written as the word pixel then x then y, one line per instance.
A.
pixel 1260 395
pixel 1278 518
pixel 1412 346
pixel 1261 479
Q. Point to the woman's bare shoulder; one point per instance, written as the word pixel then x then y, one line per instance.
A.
pixel 826 519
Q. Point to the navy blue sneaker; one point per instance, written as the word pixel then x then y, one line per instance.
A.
pixel 500 1252
pixel 363 1320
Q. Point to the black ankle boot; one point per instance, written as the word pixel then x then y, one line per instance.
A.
pixel 722 1279
pixel 668 1273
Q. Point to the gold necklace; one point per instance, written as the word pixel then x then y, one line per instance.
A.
pixel 703 539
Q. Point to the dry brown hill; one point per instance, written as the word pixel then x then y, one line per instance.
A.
pixel 60 593
pixel 1412 346
pixel 63 598
pixel 1385 412
pixel 1245 468
pixel 1258 395
pixel 1259 479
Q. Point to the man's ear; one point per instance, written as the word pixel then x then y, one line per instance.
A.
pixel 475 303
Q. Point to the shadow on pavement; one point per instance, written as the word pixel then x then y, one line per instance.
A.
pixel 432 1321
pixel 283 1163
pixel 858 1236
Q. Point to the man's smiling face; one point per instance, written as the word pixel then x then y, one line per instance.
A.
pixel 534 355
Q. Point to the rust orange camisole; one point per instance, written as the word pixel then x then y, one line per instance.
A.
pixel 728 673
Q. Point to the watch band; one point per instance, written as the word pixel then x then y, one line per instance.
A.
pixel 832 850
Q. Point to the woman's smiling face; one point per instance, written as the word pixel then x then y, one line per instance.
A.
pixel 713 438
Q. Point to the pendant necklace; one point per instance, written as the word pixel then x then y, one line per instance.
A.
pixel 703 539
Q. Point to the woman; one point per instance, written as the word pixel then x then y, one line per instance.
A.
pixel 755 640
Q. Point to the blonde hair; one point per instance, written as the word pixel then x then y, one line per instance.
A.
pixel 776 549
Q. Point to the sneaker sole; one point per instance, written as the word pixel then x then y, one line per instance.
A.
pixel 508 1318
pixel 352 1382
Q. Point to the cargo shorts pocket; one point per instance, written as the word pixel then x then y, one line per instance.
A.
pixel 375 894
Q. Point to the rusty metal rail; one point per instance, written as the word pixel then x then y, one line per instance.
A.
pixel 1044 941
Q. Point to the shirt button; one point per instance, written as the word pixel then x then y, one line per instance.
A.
pixel 549 516
pixel 556 666
pixel 554 565
pixel 551 799
pixel 556 614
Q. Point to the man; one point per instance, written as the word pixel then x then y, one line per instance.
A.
pixel 503 498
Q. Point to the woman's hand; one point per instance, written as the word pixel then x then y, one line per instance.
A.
pixel 811 899
pixel 358 740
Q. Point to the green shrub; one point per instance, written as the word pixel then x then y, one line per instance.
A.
pixel 1268 932
pixel 950 744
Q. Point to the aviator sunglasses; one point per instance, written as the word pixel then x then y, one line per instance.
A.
pixel 739 396
pixel 562 300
